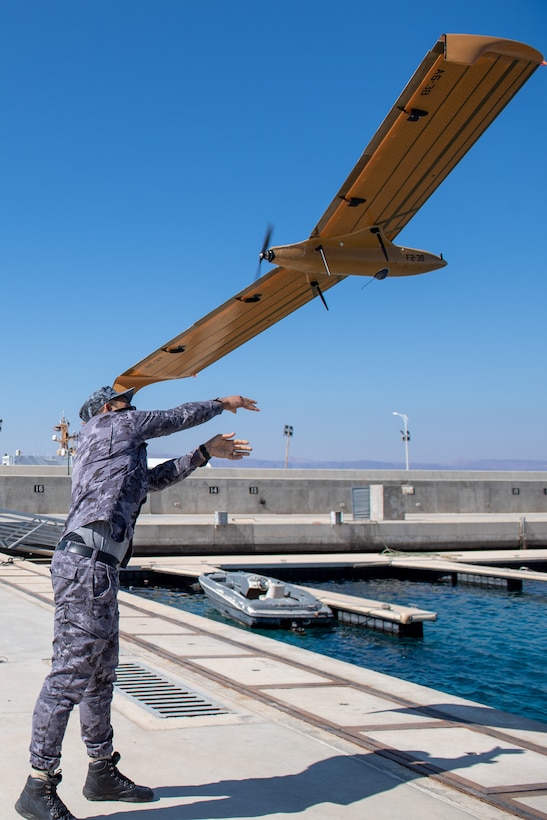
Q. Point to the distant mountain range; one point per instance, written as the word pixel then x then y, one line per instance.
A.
pixel 486 464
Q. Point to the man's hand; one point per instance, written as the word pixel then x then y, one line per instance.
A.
pixel 233 403
pixel 226 446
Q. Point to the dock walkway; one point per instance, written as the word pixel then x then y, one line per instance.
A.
pixel 271 730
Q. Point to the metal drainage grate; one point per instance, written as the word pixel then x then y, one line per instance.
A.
pixel 162 697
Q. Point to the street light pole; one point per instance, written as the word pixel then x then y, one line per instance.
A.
pixel 287 431
pixel 405 434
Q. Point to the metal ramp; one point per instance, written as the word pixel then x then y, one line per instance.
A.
pixel 27 533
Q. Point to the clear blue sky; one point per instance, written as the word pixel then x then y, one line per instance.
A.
pixel 145 146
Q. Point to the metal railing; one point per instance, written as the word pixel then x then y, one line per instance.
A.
pixel 24 532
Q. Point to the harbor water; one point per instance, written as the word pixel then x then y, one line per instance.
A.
pixel 487 645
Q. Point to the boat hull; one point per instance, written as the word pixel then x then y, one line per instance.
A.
pixel 262 602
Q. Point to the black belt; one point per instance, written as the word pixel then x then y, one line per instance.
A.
pixel 81 549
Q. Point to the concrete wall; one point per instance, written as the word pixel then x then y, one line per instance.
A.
pixel 38 494
pixel 514 495
pixel 253 494
pixel 365 536
pixel 32 490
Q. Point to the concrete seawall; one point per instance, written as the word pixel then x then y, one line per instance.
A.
pixel 195 535
pixel 46 491
pixel 316 510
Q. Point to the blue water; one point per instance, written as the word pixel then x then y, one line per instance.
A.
pixel 488 645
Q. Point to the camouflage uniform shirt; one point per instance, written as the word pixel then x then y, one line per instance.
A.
pixel 111 478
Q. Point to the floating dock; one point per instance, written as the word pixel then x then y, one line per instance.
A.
pixel 380 615
pixel 404 621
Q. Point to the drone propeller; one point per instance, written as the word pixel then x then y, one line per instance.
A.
pixel 378 234
pixel 318 292
pixel 263 254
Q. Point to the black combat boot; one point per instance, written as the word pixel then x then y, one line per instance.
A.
pixel 105 782
pixel 39 799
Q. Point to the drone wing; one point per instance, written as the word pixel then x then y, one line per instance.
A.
pixel 459 88
pixel 275 295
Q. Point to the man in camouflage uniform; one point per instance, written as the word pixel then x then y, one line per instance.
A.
pixel 109 485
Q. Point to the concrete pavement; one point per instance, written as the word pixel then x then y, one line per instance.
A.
pixel 294 734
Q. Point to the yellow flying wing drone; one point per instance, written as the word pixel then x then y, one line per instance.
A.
pixel 460 87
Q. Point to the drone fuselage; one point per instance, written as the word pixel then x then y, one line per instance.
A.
pixel 359 254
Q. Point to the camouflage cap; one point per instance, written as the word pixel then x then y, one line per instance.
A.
pixel 99 398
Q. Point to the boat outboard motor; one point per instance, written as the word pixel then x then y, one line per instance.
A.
pixel 276 590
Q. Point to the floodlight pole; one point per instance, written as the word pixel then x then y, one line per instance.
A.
pixel 287 431
pixel 65 440
pixel 405 435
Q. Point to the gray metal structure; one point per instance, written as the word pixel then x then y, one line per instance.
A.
pixel 26 533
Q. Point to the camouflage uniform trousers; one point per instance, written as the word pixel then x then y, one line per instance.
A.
pixel 85 657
